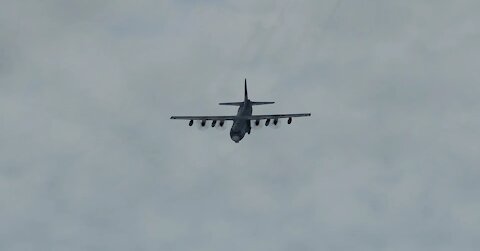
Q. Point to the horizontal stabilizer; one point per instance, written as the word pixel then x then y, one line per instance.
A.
pixel 232 103
pixel 262 103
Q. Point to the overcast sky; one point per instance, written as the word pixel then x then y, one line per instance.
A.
pixel 389 160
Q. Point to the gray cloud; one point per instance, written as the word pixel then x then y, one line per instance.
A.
pixel 90 161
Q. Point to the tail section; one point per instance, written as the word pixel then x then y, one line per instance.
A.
pixel 232 103
pixel 246 99
pixel 246 92
pixel 253 102
pixel 262 103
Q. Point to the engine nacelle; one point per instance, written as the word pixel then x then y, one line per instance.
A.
pixel 267 122
pixel 289 121
pixel 222 122
pixel 275 121
pixel 257 122
pixel 203 123
pixel 214 122
pixel 190 123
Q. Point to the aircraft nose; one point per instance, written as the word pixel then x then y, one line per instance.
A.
pixel 236 138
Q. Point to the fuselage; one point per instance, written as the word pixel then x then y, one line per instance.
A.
pixel 241 126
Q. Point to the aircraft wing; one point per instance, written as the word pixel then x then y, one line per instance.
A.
pixel 204 117
pixel 252 117
pixel 277 116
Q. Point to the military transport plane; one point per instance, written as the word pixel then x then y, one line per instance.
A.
pixel 241 122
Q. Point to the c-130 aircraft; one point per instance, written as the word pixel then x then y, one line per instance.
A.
pixel 242 121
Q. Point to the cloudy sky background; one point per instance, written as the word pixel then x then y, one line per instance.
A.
pixel 89 159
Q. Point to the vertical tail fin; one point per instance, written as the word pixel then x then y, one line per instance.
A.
pixel 246 92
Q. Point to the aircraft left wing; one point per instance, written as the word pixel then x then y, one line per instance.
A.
pixel 277 116
pixel 204 118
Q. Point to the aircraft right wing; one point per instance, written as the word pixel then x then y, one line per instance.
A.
pixel 204 118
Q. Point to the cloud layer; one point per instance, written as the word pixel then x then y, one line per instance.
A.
pixel 89 159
